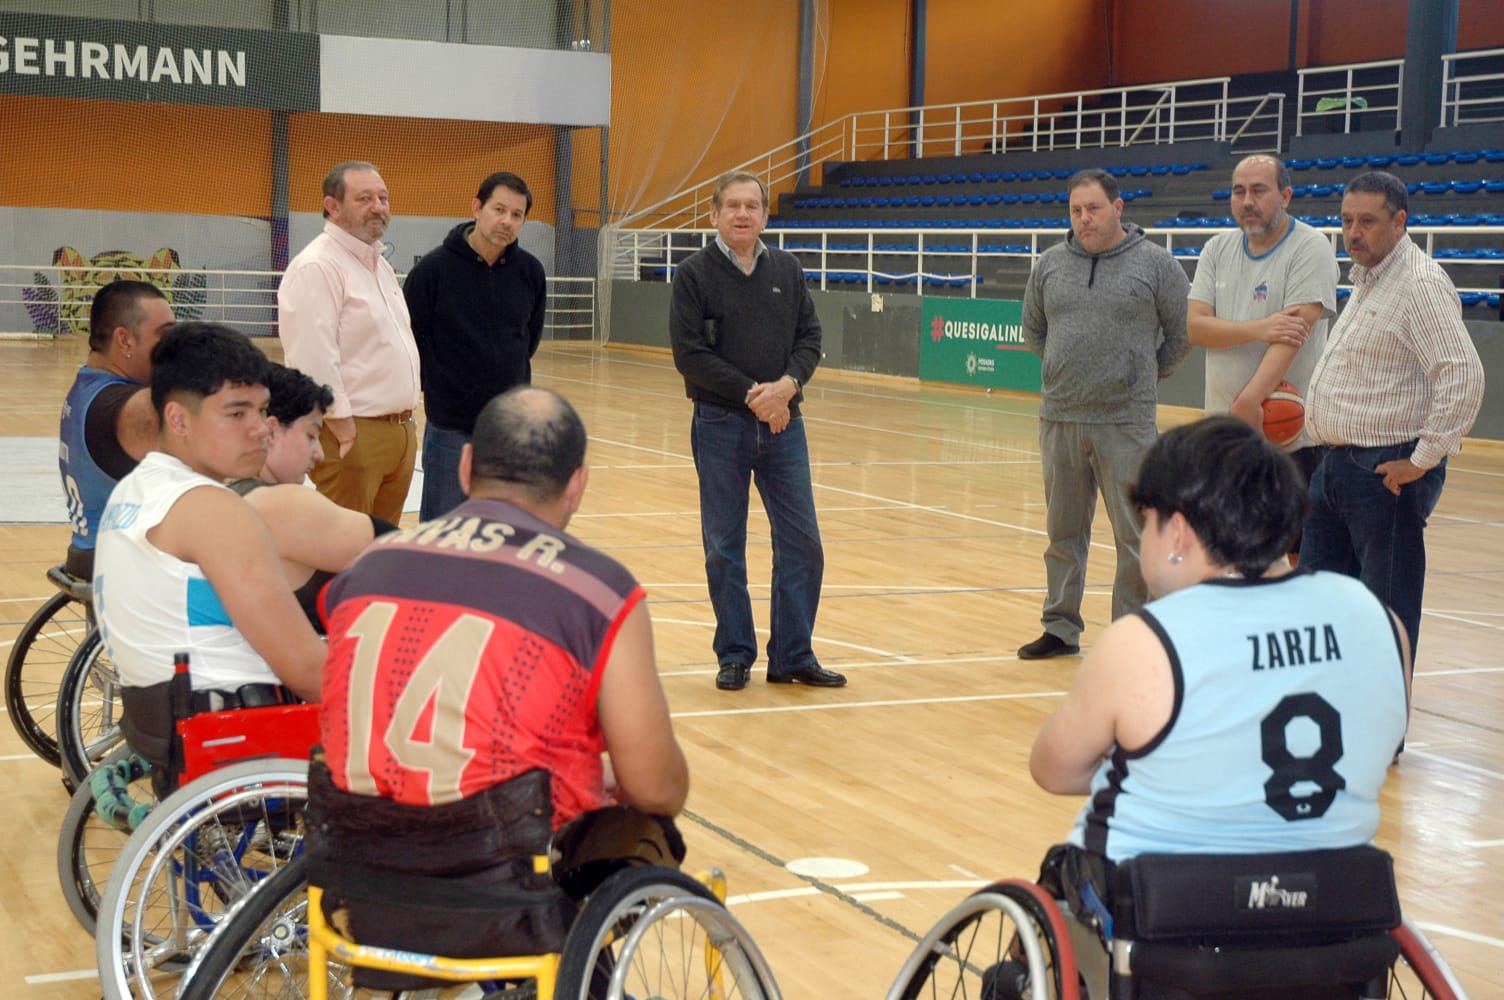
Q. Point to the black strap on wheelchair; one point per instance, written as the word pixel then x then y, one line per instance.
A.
pixel 1256 898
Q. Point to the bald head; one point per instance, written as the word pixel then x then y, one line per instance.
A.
pixel 1278 173
pixel 527 441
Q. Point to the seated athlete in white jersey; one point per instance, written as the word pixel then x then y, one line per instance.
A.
pixel 1250 708
pixel 184 564
pixel 315 536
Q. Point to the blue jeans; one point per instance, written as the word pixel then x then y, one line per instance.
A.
pixel 441 471
pixel 731 449
pixel 1359 528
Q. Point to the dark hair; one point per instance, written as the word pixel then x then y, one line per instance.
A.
pixel 334 180
pixel 294 395
pixel 1396 197
pixel 506 179
pixel 1095 175
pixel 1242 496
pixel 528 436
pixel 196 360
pixel 118 304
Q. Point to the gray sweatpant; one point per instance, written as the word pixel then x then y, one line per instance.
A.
pixel 1079 459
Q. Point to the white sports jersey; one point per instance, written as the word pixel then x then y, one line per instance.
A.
pixel 151 604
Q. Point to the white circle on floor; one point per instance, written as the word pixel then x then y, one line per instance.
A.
pixel 827 868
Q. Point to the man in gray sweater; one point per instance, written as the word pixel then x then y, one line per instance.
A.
pixel 1106 311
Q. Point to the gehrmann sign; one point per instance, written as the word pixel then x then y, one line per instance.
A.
pixel 44 56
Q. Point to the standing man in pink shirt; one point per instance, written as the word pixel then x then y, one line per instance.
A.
pixel 344 322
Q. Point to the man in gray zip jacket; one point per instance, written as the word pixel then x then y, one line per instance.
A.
pixel 1106 312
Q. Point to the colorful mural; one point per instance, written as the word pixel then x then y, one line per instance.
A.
pixel 66 309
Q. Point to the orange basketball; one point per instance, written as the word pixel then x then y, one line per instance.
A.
pixel 1284 414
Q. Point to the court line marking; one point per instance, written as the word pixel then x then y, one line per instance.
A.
pixel 1455 765
pixel 886 703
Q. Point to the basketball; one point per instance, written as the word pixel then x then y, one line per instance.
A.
pixel 1284 414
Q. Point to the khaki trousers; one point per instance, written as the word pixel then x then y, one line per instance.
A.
pixel 375 474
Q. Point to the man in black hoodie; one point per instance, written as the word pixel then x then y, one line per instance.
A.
pixel 477 303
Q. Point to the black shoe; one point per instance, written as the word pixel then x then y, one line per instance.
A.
pixel 1046 646
pixel 814 675
pixel 732 676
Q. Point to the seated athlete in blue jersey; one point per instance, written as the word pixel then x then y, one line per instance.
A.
pixel 108 423
pixel 1249 707
pixel 183 564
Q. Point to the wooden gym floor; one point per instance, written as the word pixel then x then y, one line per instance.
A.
pixel 899 793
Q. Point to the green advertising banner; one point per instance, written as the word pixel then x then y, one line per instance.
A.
pixel 46 56
pixel 976 342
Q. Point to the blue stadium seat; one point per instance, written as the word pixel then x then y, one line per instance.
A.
pixel 1008 176
pixel 1464 158
pixel 1492 155
pixel 1010 199
pixel 1437 159
pixel 1353 162
pixel 1413 187
pixel 1436 187
pixel 1328 162
pixel 1300 164
pixel 1159 170
pixel 1493 186
pixel 1380 162
pixel 1407 159
pixel 1467 187
pixel 1062 173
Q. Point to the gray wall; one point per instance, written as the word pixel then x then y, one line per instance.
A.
pixel 887 342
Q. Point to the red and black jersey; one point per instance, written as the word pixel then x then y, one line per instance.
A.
pixel 467 650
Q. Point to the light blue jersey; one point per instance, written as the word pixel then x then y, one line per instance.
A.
pixel 1289 706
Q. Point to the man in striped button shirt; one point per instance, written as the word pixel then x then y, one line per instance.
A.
pixel 1398 385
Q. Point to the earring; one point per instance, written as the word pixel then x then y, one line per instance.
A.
pixel 1176 558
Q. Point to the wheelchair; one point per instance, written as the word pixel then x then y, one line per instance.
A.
pixel 43 648
pixel 643 931
pixel 89 711
pixel 1319 924
pixel 234 821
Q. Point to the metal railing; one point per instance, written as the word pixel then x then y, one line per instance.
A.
pixel 925 261
pixel 1472 87
pixel 1329 97
pixel 1093 119
pixel 46 300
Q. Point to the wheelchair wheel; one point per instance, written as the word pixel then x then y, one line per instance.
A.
pixel 654 932
pixel 88 846
pixel 1420 971
pixel 88 710
pixel 34 671
pixel 1005 942
pixel 199 851
pixel 260 949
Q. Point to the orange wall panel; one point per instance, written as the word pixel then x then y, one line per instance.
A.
pixel 695 89
pixel 1014 48
pixel 431 167
pixel 863 64
pixel 65 153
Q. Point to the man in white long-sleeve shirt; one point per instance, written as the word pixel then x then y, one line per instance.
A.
pixel 344 322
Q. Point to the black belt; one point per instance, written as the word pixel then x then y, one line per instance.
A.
pixel 245 696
